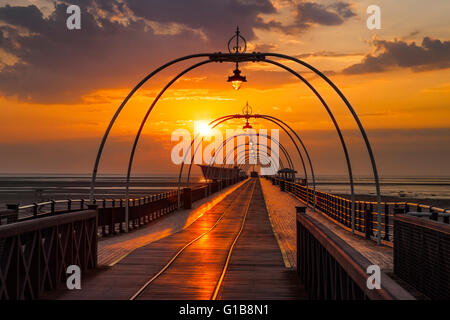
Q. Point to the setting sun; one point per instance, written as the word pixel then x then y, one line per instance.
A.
pixel 203 128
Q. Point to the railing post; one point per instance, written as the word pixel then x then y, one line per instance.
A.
pixel 368 221
pixel 35 209
pixel 386 222
pixel 52 207
pixel 434 214
pixel 69 205
pixel 187 198
pixel 14 216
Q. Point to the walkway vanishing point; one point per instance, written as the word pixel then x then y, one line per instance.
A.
pixel 229 252
pixel 243 247
pixel 253 239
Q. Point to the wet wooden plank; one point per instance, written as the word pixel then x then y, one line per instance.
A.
pixel 281 206
pixel 256 269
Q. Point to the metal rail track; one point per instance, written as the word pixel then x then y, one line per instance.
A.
pixel 249 187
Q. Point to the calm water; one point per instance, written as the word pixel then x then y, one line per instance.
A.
pixel 411 187
pixel 25 189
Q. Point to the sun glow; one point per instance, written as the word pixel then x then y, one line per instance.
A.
pixel 203 128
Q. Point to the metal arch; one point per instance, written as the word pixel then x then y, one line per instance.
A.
pixel 255 57
pixel 222 119
pixel 138 134
pixel 229 117
pixel 247 157
pixel 272 119
pixel 122 105
pixel 286 154
pixel 361 129
pixel 238 135
pixel 338 130
pixel 283 149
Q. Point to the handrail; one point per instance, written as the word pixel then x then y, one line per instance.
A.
pixel 338 209
pixel 44 209
pixel 318 243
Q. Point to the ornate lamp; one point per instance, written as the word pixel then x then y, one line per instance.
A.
pixel 236 79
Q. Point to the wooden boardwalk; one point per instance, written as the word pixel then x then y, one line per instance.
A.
pixel 281 207
pixel 189 263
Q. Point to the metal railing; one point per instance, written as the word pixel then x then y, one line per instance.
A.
pixel 330 269
pixel 112 211
pixel 422 255
pixel 339 209
pixel 34 256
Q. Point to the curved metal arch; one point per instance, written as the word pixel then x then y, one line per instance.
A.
pixel 286 154
pixel 122 105
pixel 330 114
pixel 247 157
pixel 277 122
pixel 219 121
pixel 233 137
pixel 141 127
pixel 283 149
pixel 254 57
pixel 361 129
pixel 229 117
pixel 338 130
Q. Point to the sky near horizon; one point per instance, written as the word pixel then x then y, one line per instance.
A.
pixel 59 87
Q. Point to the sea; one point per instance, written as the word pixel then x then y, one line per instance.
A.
pixel 29 188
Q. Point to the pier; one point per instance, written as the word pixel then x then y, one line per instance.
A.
pixel 250 240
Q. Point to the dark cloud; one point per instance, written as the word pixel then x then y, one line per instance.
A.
pixel 315 13
pixel 431 54
pixel 344 9
pixel 212 17
pixel 119 41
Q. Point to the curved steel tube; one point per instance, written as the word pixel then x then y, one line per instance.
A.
pixel 122 105
pixel 274 120
pixel 277 122
pixel 141 127
pixel 369 149
pixel 338 130
pixel 238 135
pixel 247 157
pixel 245 150
pixel 361 129
pixel 229 117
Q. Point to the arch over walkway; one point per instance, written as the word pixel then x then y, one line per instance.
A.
pixel 239 57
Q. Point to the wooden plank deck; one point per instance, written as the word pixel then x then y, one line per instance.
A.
pixel 256 270
pixel 113 249
pixel 281 207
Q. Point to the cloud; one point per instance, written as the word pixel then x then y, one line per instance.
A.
pixel 430 55
pixel 315 13
pixel 121 39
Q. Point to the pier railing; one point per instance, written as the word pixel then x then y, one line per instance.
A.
pixel 422 255
pixel 34 256
pixel 330 269
pixel 339 209
pixel 112 211
pixel 36 250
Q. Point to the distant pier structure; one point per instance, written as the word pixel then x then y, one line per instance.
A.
pixel 219 173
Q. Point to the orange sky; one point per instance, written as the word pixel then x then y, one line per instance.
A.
pixel 404 108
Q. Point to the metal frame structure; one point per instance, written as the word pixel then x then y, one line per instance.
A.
pixel 236 55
